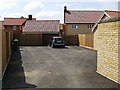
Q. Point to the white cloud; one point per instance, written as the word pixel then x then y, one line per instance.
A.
pixel 7 5
pixel 4 9
pixel 109 6
pixel 14 15
pixel 62 0
pixel 48 15
pixel 64 4
pixel 85 9
pixel 33 6
pixel 106 0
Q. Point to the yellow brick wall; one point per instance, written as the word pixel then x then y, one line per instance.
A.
pixel 108 55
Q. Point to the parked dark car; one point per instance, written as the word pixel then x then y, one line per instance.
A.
pixel 57 42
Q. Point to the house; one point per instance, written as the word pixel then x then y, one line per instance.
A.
pixel 39 32
pixel 107 44
pixel 82 24
pixel 14 25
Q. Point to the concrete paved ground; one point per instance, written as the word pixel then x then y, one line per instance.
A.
pixel 44 67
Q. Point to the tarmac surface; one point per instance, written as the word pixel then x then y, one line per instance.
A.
pixel 46 67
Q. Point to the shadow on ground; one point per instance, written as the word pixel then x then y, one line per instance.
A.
pixel 14 76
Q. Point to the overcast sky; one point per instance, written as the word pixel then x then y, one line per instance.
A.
pixel 52 9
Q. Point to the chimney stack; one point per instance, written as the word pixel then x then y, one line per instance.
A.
pixel 30 17
pixel 21 17
pixel 65 8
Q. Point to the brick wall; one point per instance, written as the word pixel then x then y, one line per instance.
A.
pixel 108 47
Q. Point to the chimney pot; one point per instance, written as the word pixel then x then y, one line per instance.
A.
pixel 30 17
pixel 65 8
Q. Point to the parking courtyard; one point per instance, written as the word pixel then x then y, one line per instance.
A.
pixel 46 67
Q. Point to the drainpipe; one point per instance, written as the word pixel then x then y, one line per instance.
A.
pixel 64 26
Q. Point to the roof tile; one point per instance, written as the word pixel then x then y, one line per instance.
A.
pixel 41 26
pixel 113 14
pixel 83 16
pixel 14 21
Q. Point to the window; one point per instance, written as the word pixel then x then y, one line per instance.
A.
pixel 14 27
pixel 75 26
pixel 90 26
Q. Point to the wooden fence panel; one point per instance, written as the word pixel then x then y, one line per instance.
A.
pixel 86 40
pixel 31 39
pixel 91 40
pixel 4 51
pixel 0 54
pixel 82 39
pixel 71 39
pixel 5 48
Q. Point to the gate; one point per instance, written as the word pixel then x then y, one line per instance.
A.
pixel 86 40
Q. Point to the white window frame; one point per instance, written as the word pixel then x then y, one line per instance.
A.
pixel 75 26
pixel 90 26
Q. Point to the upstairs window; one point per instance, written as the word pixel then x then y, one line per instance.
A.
pixel 14 27
pixel 75 26
pixel 90 26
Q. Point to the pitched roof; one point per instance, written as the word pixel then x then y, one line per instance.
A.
pixel 41 26
pixel 14 21
pixel 83 16
pixel 113 14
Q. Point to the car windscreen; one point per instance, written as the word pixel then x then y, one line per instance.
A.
pixel 58 40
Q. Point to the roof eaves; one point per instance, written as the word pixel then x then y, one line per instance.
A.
pixel 24 22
